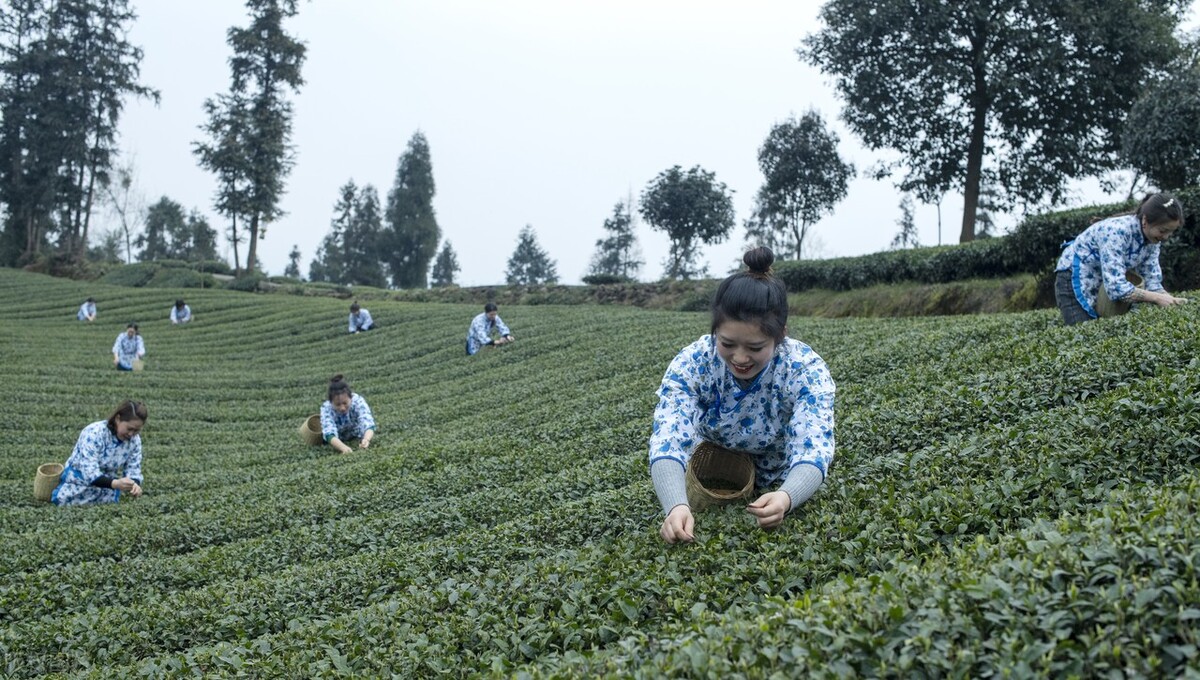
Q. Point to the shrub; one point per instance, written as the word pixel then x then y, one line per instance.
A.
pixel 133 275
pixel 175 277
pixel 247 282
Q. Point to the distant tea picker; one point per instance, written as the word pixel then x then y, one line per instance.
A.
pixel 128 348
pixel 1092 277
pixel 360 319
pixel 87 310
pixel 482 328
pixel 345 416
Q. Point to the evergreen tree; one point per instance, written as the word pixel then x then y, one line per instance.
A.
pixel 65 70
pixel 616 254
pixel 907 236
pixel 360 242
pixel 529 264
pixel 164 220
pixel 249 129
pixel 293 268
pixel 330 263
pixel 412 235
pixel 445 267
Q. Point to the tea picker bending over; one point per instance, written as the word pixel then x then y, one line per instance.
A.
pixel 106 461
pixel 181 312
pixel 479 333
pixel 748 387
pixel 87 311
pixel 360 319
pixel 128 346
pixel 345 416
pixel 1091 272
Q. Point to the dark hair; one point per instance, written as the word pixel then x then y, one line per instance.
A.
pixel 133 325
pixel 354 306
pixel 179 303
pixel 753 296
pixel 338 385
pixel 1159 208
pixel 90 299
pixel 489 307
pixel 127 411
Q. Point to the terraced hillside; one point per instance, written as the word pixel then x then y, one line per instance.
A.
pixel 1009 496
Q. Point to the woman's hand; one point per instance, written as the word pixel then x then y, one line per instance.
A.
pixel 678 525
pixel 366 440
pixel 128 486
pixel 770 508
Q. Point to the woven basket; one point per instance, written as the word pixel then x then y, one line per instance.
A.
pixel 138 364
pixel 1106 307
pixel 310 430
pixel 45 480
pixel 718 476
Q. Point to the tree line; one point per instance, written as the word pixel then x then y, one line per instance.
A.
pixel 1003 101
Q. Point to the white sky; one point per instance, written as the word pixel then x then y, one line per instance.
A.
pixel 540 112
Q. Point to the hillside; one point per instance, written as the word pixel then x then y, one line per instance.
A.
pixel 1008 495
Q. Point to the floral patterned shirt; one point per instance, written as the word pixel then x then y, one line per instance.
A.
pixel 181 315
pixel 1100 255
pixel 352 424
pixel 480 332
pixel 98 453
pixel 127 349
pixel 783 419
pixel 85 310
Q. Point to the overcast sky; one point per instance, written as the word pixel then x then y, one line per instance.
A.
pixel 539 112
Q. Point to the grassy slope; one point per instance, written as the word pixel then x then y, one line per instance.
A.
pixel 504 519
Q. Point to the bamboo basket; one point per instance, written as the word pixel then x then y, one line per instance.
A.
pixel 45 480
pixel 1107 307
pixel 718 476
pixel 310 430
pixel 138 365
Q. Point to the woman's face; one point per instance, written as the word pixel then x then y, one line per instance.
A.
pixel 130 332
pixel 341 402
pixel 1157 233
pixel 744 348
pixel 127 429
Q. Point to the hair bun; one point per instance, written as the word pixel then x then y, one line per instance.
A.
pixel 337 378
pixel 759 260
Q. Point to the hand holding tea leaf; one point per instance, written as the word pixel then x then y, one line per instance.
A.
pixel 770 508
pixel 678 525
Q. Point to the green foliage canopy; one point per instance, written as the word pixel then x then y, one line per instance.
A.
pixel 1040 88
pixel 689 207
pixel 411 238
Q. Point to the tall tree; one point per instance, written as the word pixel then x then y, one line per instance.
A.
pixel 616 254
pixel 907 236
pixel 254 121
pixel 360 241
pixel 529 264
pixel 412 235
pixel 805 177
pixel 689 206
pixel 1039 86
pixel 350 252
pixel 173 235
pixel 292 270
pixel 66 68
pixel 445 267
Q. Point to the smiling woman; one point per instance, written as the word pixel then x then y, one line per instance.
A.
pixel 747 387
pixel 1092 268
pixel 106 461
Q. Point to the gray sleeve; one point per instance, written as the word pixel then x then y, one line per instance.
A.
pixel 670 483
pixel 801 483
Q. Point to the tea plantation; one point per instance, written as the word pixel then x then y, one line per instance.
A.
pixel 1010 498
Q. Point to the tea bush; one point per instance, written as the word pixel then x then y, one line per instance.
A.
pixel 1010 496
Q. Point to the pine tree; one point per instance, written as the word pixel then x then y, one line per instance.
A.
pixel 411 238
pixel 529 264
pixel 445 267
pixel 292 270
pixel 616 254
